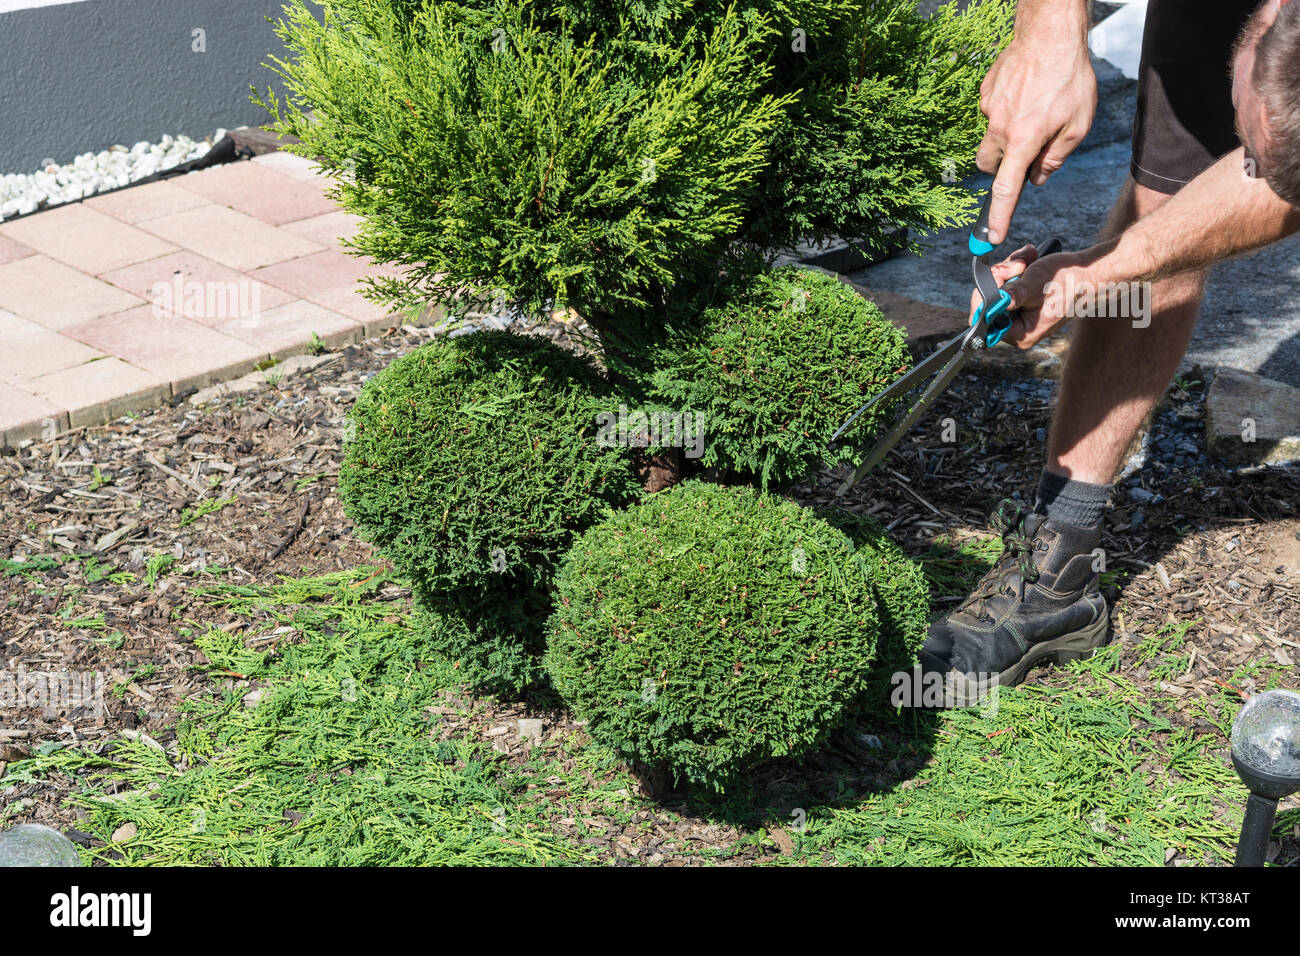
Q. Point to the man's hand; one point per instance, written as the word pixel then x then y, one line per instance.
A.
pixel 1040 97
pixel 1038 297
pixel 1038 294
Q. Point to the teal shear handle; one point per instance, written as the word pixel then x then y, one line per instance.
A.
pixel 992 311
pixel 979 233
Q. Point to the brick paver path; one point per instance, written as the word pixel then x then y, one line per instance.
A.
pixel 119 302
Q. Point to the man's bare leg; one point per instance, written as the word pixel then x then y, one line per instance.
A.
pixel 1019 617
pixel 1114 373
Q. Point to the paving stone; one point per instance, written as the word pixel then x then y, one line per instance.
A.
pixel 230 238
pixel 24 415
pixel 11 251
pixel 294 166
pixel 287 330
pixel 98 392
pixel 176 350
pixel 328 229
pixel 208 293
pixel 139 203
pixel 330 278
pixel 86 239
pixel 259 191
pixel 30 350
pixel 259 379
pixel 54 295
pixel 1252 420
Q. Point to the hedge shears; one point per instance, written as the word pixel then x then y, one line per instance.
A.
pixel 988 325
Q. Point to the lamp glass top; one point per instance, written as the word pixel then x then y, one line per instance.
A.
pixel 1266 734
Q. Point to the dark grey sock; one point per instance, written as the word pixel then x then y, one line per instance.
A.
pixel 1066 501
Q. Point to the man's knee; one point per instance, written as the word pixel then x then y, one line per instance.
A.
pixel 1146 200
pixel 1134 202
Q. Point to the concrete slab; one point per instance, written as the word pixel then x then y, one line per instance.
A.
pixel 1253 420
pixel 330 279
pixel 85 239
pixel 55 295
pixel 98 392
pixel 150 201
pixel 286 330
pixel 188 285
pixel 176 350
pixel 231 238
pixel 259 191
pixel 31 350
pixel 24 415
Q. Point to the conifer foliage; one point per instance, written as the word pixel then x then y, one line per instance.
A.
pixel 603 155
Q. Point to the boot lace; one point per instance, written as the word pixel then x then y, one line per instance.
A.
pixel 1017 556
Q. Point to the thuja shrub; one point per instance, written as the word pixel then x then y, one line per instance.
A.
pixel 493 637
pixel 902 598
pixel 603 154
pixel 775 367
pixel 471 461
pixel 708 629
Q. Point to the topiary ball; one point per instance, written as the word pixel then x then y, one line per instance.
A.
pixel 775 368
pixel 493 638
pixel 902 598
pixel 471 461
pixel 709 629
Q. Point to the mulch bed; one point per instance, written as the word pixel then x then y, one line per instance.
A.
pixel 1195 540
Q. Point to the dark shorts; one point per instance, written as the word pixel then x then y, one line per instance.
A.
pixel 1184 119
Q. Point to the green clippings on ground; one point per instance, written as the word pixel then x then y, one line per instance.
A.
pixel 158 565
pixel 1112 578
pixel 211 506
pixel 340 762
pixel 1087 773
pixel 1157 650
pixel 336 765
pixel 33 565
pixel 95 622
pixel 92 568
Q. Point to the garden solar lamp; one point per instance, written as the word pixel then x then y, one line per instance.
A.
pixel 1266 754
pixel 31 844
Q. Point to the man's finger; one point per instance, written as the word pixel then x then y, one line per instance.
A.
pixel 989 154
pixel 1015 264
pixel 1018 332
pixel 1052 157
pixel 1023 333
pixel 1007 185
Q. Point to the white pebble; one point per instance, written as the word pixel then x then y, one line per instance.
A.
pixel 115 167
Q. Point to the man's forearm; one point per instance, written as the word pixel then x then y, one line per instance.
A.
pixel 1220 214
pixel 1052 19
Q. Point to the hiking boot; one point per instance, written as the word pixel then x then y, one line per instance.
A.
pixel 1039 603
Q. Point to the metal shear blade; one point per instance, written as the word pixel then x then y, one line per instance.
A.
pixel 948 360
